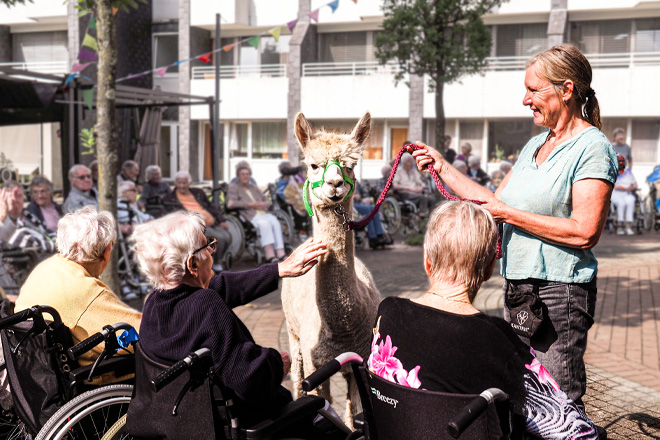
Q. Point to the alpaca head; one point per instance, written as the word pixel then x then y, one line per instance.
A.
pixel 331 159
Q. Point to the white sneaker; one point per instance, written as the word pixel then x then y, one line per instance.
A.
pixel 620 231
pixel 630 231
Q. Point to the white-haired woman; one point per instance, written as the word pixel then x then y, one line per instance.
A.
pixel 128 213
pixel 191 308
pixel 443 343
pixel 194 199
pixel 253 205
pixel 154 185
pixel 69 281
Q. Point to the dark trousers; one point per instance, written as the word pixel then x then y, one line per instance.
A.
pixel 561 340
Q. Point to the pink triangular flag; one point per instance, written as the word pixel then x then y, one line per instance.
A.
pixel 314 15
pixel 292 24
pixel 79 67
pixel 161 71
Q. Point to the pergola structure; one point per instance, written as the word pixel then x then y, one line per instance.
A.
pixel 28 97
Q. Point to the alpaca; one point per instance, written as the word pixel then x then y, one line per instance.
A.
pixel 332 308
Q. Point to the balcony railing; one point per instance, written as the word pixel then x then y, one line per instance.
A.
pixel 596 59
pixel 52 67
pixel 350 69
pixel 229 72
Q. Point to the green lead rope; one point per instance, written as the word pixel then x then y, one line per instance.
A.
pixel 318 183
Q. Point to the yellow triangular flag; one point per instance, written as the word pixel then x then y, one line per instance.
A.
pixel 276 33
pixel 90 42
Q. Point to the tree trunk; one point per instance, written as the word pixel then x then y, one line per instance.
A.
pixel 106 124
pixel 439 117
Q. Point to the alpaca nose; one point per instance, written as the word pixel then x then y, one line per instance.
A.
pixel 334 178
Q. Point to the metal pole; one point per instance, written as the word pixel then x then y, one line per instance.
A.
pixel 216 117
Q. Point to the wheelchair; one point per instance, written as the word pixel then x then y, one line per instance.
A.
pixel 641 220
pixel 46 385
pixel 133 283
pixel 651 207
pixel 15 266
pixel 397 213
pixel 291 221
pixel 165 398
pixel 395 412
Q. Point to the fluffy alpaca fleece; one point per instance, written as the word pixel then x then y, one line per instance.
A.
pixel 332 308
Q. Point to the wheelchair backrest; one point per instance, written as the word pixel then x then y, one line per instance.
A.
pixel 37 366
pixel 395 412
pixel 150 413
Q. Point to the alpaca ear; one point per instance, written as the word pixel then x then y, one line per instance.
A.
pixel 362 129
pixel 302 130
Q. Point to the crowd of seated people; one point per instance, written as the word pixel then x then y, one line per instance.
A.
pixel 128 212
pixel 21 228
pixel 409 185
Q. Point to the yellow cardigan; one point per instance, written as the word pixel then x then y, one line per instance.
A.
pixel 84 303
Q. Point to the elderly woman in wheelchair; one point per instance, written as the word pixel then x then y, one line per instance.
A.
pixel 441 342
pixel 191 308
pixel 624 199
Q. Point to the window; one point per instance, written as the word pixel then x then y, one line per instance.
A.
pixel 647 36
pixel 343 47
pixel 275 52
pixel 644 143
pixel 521 39
pixel 268 140
pixel 40 46
pixel 507 138
pixel 166 51
pixel 592 37
pixel 238 145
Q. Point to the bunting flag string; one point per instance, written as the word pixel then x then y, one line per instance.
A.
pixel 207 57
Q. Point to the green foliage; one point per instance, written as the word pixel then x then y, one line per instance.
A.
pixel 444 39
pixel 87 140
pixel 86 6
pixel 11 3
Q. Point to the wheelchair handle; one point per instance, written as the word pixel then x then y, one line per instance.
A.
pixel 176 370
pixel 325 372
pixel 26 314
pixel 473 410
pixel 94 340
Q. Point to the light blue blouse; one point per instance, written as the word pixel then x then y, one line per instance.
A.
pixel 546 190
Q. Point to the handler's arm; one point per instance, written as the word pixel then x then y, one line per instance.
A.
pixel 591 202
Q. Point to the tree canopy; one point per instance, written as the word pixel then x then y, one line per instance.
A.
pixel 444 39
pixel 13 2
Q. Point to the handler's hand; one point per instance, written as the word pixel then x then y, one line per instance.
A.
pixel 286 360
pixel 428 155
pixel 302 259
pixel 497 209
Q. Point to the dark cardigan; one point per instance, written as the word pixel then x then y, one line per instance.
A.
pixel 34 209
pixel 172 204
pixel 178 321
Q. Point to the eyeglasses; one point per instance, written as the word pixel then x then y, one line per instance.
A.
pixel 210 243
pixel 83 177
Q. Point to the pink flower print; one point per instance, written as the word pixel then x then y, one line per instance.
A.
pixel 374 341
pixel 382 362
pixel 409 379
pixel 543 374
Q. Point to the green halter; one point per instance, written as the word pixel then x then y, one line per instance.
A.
pixel 318 183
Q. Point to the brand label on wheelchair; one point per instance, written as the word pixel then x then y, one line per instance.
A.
pixel 388 400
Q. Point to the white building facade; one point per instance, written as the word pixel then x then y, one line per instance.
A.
pixel 327 70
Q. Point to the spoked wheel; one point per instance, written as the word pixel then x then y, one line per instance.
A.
pixel 237 246
pixel 391 214
pixel 11 428
pixel 288 229
pixel 118 431
pixel 649 212
pixel 90 415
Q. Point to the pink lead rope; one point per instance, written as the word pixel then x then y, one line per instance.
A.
pixel 351 225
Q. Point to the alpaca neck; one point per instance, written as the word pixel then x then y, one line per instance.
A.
pixel 335 273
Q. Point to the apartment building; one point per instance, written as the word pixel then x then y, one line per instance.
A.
pixel 327 69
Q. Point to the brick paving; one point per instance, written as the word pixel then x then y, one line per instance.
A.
pixel 623 360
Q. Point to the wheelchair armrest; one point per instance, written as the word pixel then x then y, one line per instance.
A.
pixel 291 414
pixel 119 365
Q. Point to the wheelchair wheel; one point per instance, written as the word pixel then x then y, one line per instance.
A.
pixel 391 214
pixel 118 431
pixel 89 415
pixel 237 246
pixel 649 212
pixel 11 428
pixel 288 229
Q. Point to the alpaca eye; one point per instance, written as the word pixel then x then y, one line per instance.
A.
pixel 349 170
pixel 314 167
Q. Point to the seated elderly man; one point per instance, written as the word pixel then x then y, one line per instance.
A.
pixel 194 199
pixel 69 281
pixel 443 343
pixel 42 205
pixel 191 308
pixel 475 172
pixel 82 194
pixel 408 182
pixel 21 228
pixel 130 171
pixel 153 186
pixel 128 212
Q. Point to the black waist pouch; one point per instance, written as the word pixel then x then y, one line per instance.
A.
pixel 525 307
